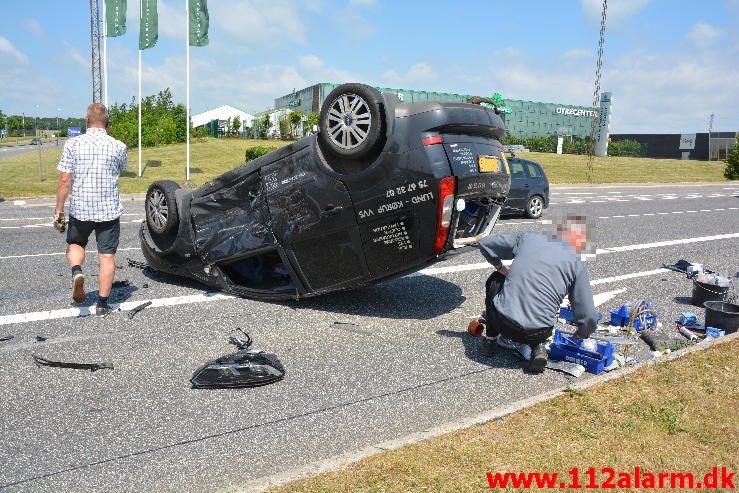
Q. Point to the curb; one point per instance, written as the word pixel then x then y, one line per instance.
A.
pixel 349 458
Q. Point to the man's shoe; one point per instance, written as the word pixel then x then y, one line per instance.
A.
pixel 102 311
pixel 538 360
pixel 78 288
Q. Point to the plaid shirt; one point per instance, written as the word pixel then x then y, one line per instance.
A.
pixel 95 160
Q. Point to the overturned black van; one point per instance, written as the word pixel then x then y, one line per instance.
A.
pixel 383 189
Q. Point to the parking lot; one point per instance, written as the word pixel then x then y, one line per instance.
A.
pixel 362 366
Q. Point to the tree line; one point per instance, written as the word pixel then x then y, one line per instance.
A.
pixel 17 125
pixel 577 145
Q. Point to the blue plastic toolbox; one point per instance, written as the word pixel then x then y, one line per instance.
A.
pixel 564 347
pixel 621 316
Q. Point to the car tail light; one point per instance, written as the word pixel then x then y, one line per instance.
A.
pixel 446 207
pixel 429 141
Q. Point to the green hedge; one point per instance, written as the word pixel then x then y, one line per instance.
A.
pixel 732 163
pixel 258 151
pixel 577 145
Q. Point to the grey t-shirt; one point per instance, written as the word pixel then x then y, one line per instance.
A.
pixel 545 270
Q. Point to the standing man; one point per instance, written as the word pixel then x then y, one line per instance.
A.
pixel 91 163
pixel 522 303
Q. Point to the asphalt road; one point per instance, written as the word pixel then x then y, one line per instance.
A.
pixel 6 152
pixel 400 363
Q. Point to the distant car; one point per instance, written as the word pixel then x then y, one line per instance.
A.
pixel 378 193
pixel 36 141
pixel 529 193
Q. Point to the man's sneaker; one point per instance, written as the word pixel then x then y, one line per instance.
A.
pixel 78 288
pixel 102 311
pixel 538 360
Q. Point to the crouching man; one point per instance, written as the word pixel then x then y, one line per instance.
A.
pixel 522 303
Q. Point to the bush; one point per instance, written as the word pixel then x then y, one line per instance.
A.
pixel 732 163
pixel 257 151
pixel 624 148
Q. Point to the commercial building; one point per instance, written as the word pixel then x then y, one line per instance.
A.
pixel 698 146
pixel 523 118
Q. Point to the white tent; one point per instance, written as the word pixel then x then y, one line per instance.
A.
pixel 223 112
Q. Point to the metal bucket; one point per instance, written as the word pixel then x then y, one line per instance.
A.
pixel 724 316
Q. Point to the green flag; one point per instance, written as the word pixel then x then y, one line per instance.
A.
pixel 148 30
pixel 198 22
pixel 115 17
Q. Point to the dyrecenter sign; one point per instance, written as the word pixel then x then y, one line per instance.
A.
pixel 576 112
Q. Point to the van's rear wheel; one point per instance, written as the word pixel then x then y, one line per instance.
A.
pixel 161 207
pixel 352 123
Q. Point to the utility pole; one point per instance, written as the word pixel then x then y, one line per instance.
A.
pixel 23 124
pixel 97 75
pixel 710 129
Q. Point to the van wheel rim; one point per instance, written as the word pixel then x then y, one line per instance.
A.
pixel 157 209
pixel 349 121
pixel 535 207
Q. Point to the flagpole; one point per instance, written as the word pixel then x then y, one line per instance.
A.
pixel 105 54
pixel 187 63
pixel 140 7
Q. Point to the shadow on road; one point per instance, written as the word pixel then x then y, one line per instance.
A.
pixel 479 351
pixel 418 298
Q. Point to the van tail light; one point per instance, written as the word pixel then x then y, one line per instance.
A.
pixel 446 207
pixel 434 140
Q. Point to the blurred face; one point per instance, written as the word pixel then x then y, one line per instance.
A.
pixel 576 239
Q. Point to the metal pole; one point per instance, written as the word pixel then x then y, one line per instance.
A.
pixel 40 167
pixel 139 113
pixel 187 122
pixel 105 55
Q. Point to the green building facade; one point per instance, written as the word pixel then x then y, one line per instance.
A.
pixel 523 118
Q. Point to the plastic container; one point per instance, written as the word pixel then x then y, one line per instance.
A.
pixel 621 316
pixel 703 292
pixel 724 316
pixel 564 347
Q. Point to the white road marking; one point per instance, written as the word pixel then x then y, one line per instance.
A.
pixel 49 219
pixel 633 215
pixel 676 212
pixel 89 252
pixel 657 244
pixel 600 298
pixel 597 201
pixel 75 312
pixel 19 202
pixel 579 193
pixel 647 214
pixel 43 225
pixel 618 216
pixel 214 296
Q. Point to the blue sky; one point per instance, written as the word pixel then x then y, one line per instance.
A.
pixel 669 64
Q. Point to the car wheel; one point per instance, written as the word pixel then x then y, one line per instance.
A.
pixel 352 123
pixel 535 207
pixel 161 207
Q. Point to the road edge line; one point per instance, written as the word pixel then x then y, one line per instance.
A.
pixel 339 461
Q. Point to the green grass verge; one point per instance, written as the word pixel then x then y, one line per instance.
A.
pixel 671 417
pixel 571 168
pixel 208 158
pixel 212 157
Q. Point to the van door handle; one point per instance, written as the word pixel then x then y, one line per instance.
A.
pixel 330 210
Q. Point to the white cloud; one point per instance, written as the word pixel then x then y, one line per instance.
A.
pixel 617 12
pixel 418 75
pixel 7 48
pixel 34 27
pixel 577 53
pixel 315 69
pixel 362 3
pixel 259 24
pixel 75 56
pixel 351 23
pixel 703 34
pixel 654 91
